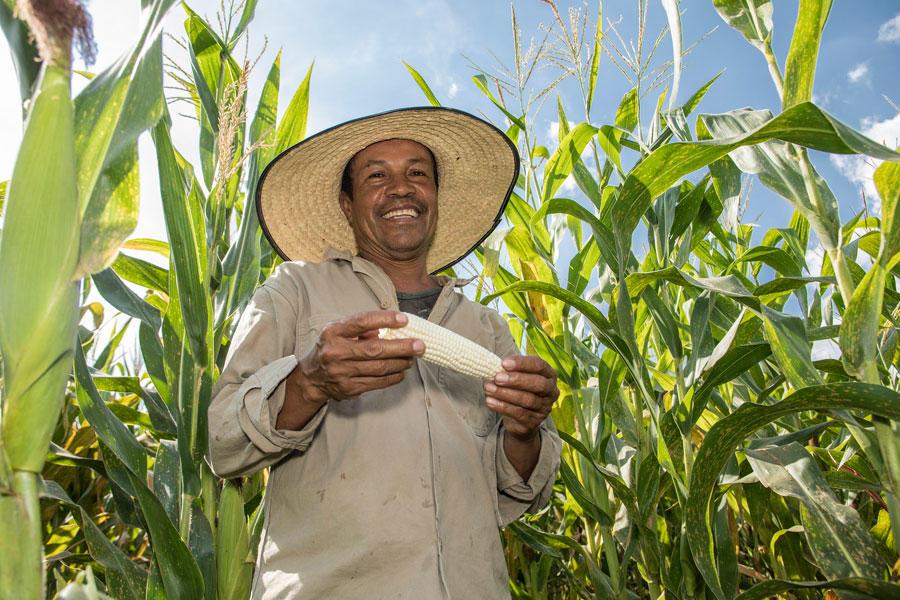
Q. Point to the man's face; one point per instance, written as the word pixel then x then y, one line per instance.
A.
pixel 393 209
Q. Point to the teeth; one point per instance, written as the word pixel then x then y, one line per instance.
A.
pixel 403 212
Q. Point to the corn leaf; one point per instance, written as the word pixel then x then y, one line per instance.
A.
pixel 873 588
pixel 188 246
pixel 801 61
pixel 420 81
pixel 292 127
pixel 124 578
pixel 842 545
pixel 752 18
pixel 804 124
pixel 596 54
pixel 181 577
pixel 780 172
pixel 674 18
pixel 24 53
pixel 246 16
pixel 141 272
pixel 723 437
pixel 122 298
pixel 111 112
pixel 564 159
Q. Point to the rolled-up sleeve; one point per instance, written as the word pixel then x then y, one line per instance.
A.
pixel 515 495
pixel 249 393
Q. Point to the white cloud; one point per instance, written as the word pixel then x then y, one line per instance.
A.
pixel 890 30
pixel 859 169
pixel 858 72
pixel 454 89
pixel 553 131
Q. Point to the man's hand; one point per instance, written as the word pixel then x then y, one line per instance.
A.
pixel 523 395
pixel 348 359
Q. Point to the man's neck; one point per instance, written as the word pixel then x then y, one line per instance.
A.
pixel 407 277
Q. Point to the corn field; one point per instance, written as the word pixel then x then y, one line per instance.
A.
pixel 708 454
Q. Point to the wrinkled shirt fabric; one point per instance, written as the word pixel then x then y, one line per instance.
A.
pixel 397 493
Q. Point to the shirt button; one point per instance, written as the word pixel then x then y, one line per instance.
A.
pixel 384 305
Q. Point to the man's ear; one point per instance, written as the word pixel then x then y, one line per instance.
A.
pixel 345 202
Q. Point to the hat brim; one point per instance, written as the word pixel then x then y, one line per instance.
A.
pixel 477 165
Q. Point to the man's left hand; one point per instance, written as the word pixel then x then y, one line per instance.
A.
pixel 523 394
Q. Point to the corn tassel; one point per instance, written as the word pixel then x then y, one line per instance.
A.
pixel 446 348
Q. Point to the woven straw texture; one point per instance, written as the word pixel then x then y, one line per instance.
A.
pixel 297 196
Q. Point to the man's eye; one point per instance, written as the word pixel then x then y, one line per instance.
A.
pixel 375 174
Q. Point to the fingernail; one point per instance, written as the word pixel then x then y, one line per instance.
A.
pixel 501 378
pixel 492 402
pixel 418 346
pixel 490 388
pixel 508 363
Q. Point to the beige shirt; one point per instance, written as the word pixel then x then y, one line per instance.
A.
pixel 395 494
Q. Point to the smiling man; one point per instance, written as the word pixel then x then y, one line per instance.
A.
pixel 389 475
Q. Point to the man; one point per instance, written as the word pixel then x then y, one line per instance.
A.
pixel 389 475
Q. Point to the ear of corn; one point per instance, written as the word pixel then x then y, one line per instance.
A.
pixel 38 316
pixel 446 348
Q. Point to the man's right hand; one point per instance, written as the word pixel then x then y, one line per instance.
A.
pixel 348 359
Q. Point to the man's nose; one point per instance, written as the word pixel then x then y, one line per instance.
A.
pixel 400 185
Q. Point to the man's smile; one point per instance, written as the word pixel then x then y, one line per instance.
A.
pixel 401 214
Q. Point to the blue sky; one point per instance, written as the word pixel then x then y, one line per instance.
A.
pixel 358 48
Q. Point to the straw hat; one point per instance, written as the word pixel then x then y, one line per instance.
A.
pixel 477 165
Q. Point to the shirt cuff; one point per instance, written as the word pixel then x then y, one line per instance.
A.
pixel 511 484
pixel 262 398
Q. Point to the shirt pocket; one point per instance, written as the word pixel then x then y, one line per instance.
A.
pixel 466 394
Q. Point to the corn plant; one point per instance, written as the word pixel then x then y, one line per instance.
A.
pixel 140 429
pixel 708 454
pixel 70 203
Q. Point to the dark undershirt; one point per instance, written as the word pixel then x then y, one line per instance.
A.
pixel 418 303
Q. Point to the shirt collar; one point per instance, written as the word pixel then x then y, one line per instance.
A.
pixel 361 265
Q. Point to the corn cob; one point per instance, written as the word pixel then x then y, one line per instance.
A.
pixel 446 348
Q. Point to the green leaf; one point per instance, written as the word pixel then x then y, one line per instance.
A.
pixel 596 54
pixel 564 158
pixel 860 326
pixel 723 437
pixel 482 84
pixel 779 169
pixel 180 574
pixel 114 291
pixel 186 244
pixel 801 61
pixel 141 272
pixel 246 16
pixel 24 54
pixel 842 546
pixel 107 427
pixel 422 85
pixel 787 338
pixel 111 112
pixel 124 578
pixel 674 18
pixel 804 124
pixel 752 18
pixel 627 113
pixel 292 127
pixel 582 497
pixel 880 590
